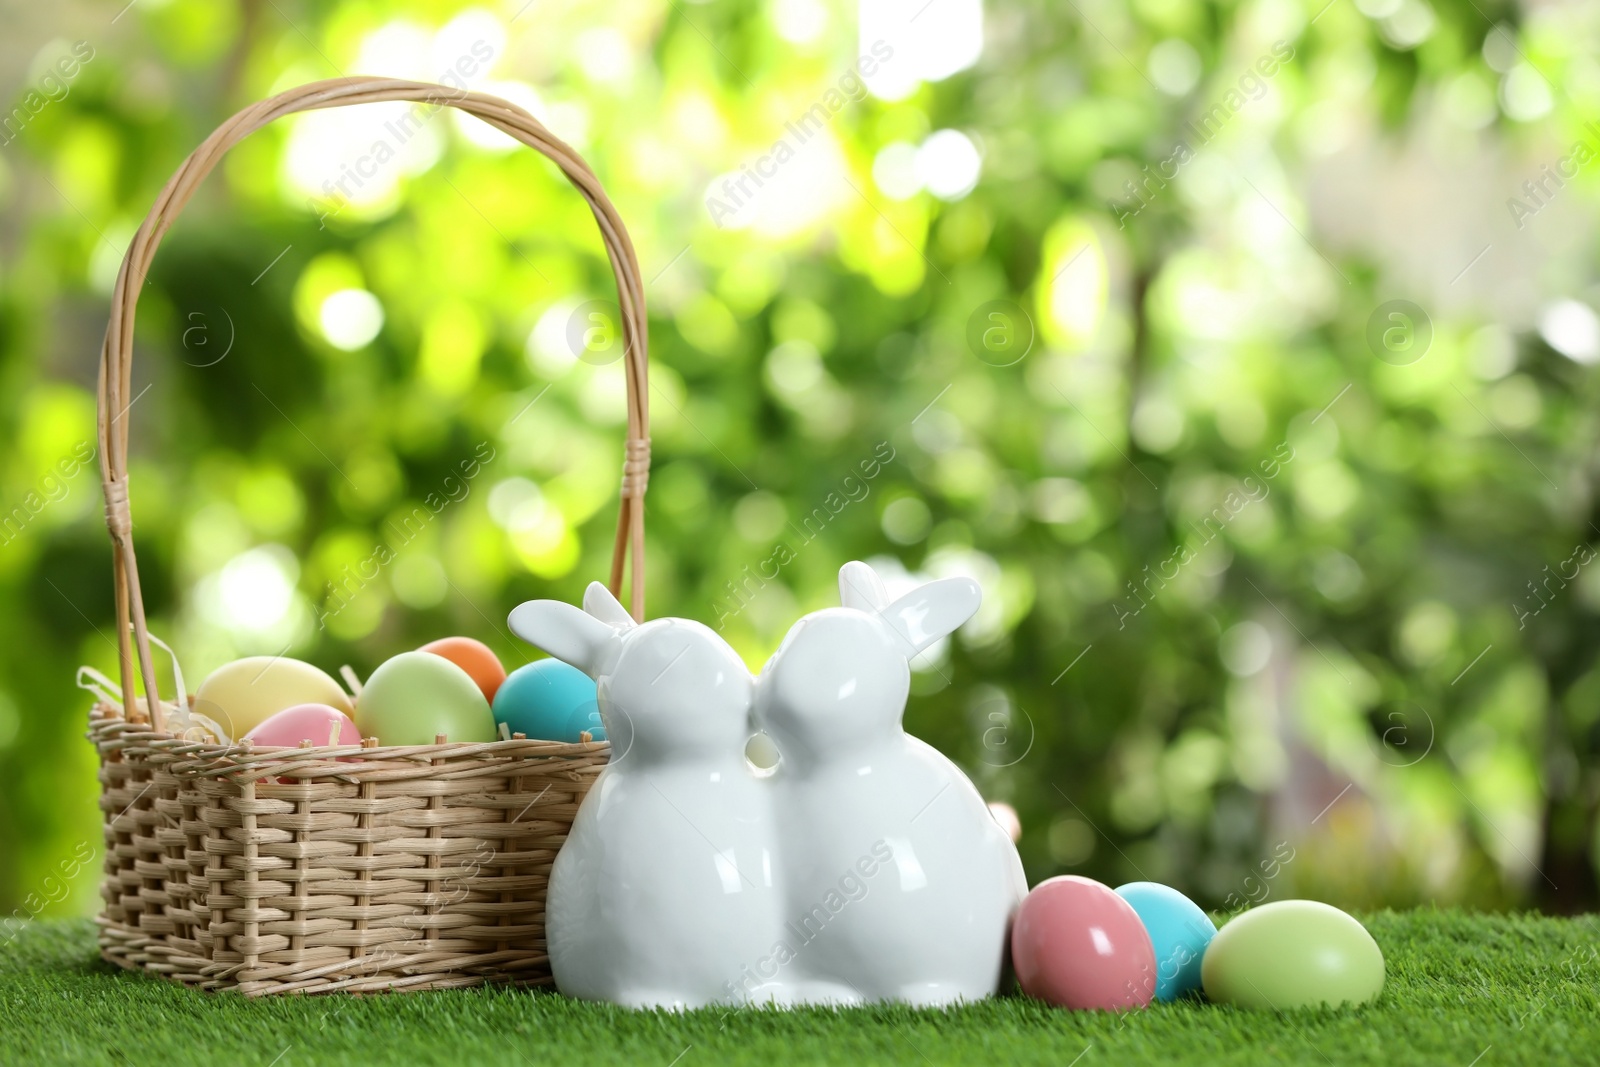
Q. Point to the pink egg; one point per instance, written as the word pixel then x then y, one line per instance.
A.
pixel 317 723
pixel 1076 944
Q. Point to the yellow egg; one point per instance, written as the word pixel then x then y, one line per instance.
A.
pixel 245 693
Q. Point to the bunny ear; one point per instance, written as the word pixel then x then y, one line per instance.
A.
pixel 861 588
pixel 930 612
pixel 598 601
pixel 565 632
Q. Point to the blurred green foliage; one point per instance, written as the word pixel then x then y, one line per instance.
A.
pixel 1247 583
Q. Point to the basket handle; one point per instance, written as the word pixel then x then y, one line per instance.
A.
pixel 116 356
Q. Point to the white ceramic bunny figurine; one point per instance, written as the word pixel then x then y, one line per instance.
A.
pixel 665 890
pixel 899 884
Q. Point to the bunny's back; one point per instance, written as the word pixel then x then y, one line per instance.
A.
pixel 916 881
pixel 665 891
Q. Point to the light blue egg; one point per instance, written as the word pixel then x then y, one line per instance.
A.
pixel 549 700
pixel 1178 930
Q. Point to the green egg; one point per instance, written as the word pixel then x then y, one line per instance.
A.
pixel 416 695
pixel 1292 954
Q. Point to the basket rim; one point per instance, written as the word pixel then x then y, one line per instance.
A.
pixel 243 760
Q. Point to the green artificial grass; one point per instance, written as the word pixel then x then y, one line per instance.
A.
pixel 1468 990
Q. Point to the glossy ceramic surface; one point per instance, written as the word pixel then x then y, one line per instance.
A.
pixel 864 867
pixel 667 886
pixel 899 884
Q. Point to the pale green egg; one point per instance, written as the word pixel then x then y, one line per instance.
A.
pixel 1292 954
pixel 417 695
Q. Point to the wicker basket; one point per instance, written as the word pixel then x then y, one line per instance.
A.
pixel 296 870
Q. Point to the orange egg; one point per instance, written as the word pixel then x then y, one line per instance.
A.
pixel 474 657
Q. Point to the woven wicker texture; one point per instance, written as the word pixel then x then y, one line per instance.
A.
pixel 321 869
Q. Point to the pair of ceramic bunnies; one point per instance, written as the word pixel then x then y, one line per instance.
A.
pixel 865 867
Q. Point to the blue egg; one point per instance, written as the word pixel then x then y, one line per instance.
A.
pixel 549 700
pixel 1178 930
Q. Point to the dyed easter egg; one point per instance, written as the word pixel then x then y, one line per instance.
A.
pixel 1179 932
pixel 1076 944
pixel 1292 954
pixel 243 694
pixel 317 723
pixel 549 700
pixel 416 695
pixel 474 657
